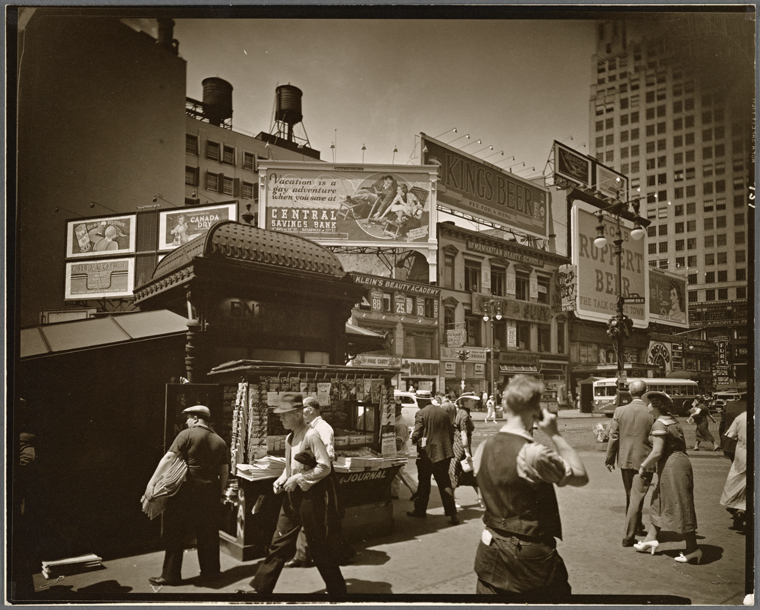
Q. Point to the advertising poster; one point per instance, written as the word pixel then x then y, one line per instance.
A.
pixel 611 183
pixel 597 268
pixel 177 227
pixel 107 278
pixel 469 185
pixel 572 165
pixel 108 236
pixel 345 204
pixel 667 298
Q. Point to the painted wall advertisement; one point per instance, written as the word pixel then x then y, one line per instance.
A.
pixel 105 236
pixel 667 298
pixel 483 190
pixel 177 227
pixel 597 268
pixel 567 281
pixel 106 278
pixel 340 204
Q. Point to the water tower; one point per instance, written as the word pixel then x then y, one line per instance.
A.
pixel 288 114
pixel 217 101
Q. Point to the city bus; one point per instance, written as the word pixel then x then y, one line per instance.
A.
pixel 682 391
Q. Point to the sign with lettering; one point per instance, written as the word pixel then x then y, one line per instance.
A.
pixel 106 236
pixel 667 298
pixel 381 361
pixel 474 354
pixel 597 268
pixel 518 254
pixel 419 368
pixel 177 227
pixel 456 337
pixel 335 205
pixel 386 283
pixel 572 165
pixel 469 185
pixel 97 279
pixel 245 318
pixel 513 309
pixel 567 280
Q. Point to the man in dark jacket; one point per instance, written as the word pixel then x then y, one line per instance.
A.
pixel 432 435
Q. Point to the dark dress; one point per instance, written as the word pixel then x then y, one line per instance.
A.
pixel 672 507
pixel 703 430
pixel 462 423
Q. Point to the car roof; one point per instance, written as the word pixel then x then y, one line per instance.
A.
pixel 400 393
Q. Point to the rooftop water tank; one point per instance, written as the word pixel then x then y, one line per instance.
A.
pixel 288 109
pixel 217 100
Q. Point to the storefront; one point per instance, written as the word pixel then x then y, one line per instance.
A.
pixel 463 369
pixel 270 315
pixel 419 374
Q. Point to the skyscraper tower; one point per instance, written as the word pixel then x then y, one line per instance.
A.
pixel 672 108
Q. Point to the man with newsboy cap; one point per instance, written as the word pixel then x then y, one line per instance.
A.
pixel 305 505
pixel 195 508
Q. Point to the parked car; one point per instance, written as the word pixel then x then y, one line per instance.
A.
pixel 722 398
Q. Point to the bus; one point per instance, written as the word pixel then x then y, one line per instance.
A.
pixel 682 391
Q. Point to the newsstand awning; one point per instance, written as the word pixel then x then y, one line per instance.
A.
pixel 99 332
pixel 514 369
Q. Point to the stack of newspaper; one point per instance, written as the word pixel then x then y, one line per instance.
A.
pixel 265 468
pixel 71 565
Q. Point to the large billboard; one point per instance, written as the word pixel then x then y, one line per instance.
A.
pixel 344 205
pixel 482 190
pixel 596 294
pixel 102 236
pixel 667 298
pixel 101 278
pixel 177 227
pixel 588 173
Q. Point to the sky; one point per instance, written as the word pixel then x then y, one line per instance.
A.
pixel 516 85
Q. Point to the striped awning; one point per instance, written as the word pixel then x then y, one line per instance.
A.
pixel 514 369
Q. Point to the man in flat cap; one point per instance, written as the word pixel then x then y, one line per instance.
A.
pixel 195 508
pixel 305 505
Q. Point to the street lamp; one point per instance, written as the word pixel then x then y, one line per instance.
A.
pixel 492 312
pixel 463 354
pixel 619 326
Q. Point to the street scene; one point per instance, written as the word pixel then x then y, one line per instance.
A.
pixel 449 304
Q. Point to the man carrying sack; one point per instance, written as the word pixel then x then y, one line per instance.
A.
pixel 195 508
pixel 306 505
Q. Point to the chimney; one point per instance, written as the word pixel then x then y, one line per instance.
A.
pixel 165 33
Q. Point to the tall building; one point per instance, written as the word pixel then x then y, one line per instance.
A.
pixel 671 107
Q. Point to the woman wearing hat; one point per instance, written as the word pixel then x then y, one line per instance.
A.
pixel 672 506
pixel 462 446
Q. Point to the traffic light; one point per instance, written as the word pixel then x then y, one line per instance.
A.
pixel 627 326
pixel 613 327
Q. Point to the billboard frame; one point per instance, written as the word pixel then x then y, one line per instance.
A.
pixel 127 293
pixel 105 221
pixel 163 244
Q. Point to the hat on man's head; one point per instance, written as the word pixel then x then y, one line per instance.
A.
pixel 664 398
pixel 198 410
pixel 311 401
pixel 290 401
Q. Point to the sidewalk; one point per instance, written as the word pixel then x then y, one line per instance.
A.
pixel 431 557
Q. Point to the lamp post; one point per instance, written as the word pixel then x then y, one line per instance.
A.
pixel 463 354
pixel 620 325
pixel 491 313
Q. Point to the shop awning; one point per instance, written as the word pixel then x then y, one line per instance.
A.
pixel 99 332
pixel 352 329
pixel 551 367
pixel 514 369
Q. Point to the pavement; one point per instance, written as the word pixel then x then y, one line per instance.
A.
pixel 424 560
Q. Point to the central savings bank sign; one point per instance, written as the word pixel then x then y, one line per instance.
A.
pixel 486 191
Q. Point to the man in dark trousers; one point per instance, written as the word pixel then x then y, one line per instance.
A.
pixel 195 509
pixel 629 442
pixel 432 435
pixel 305 505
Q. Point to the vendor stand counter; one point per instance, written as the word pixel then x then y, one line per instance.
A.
pixel 356 401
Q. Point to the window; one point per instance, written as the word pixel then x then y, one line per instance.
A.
pixel 663 247
pixel 419 344
pixel 722 294
pixel 738 201
pixel 634 168
pixel 471 276
pixel 680 261
pixel 741 292
pixel 693 296
pixel 599 125
pixel 739 219
pixel 692 278
pixel 473 329
pixel 623 119
pixel 543 290
pixel 722 258
pixel 691 226
pixel 228 185
pixel 634 116
pixel 720 132
pixel 661 144
pixel 248 161
pixel 688 102
pixel 691 261
pixel 212 150
pixel 649 130
pixel 709 260
pixel 649 114
pixel 662 230
pixel 720 150
pixel 449 317
pixel 677 124
pixel 651 180
pixel 662 179
pixel 722 239
pixel 623 136
pixel 651 163
pixel 600 141
pixel 720 204
pixel 688 122
pixel 499 281
pixel 720 186
pixel 652 248
pixel 247 190
pixel 212 182
pixel 650 97
pixel 635 134
pixel 720 168
pixel 678 160
pixel 691 208
pixel 691 243
pixel 708 205
pixel 707 188
pixel 544 338
pixel 707 116
pixel 677 141
pixel 652 231
pixel 191 176
pixel 741 275
pixel 690 173
pixel 191 144
pixel 710 277
pixel 635 150
pixel 448 270
pixel 228 155
pixel 610 156
pixel 522 286
pixel 609 139
pixel 679 243
pixel 707 170
pixel 561 349
pixel 709 295
pixel 609 123
pixel 723 275
pixel 718 115
pixel 650 147
pixel 709 241
pixel 624 103
pixel 624 168
pixel 624 154
pixel 523 335
pixel 661 111
pixel 720 222
pixel 387 302
pixel 679 227
pixel 709 224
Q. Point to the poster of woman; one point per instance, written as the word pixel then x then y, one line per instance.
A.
pixel 177 227
pixel 667 297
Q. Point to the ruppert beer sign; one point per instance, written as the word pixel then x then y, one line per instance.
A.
pixel 469 185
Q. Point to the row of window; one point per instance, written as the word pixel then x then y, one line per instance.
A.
pixel 708 152
pixel 709 241
pixel 722 276
pixel 473 280
pixel 718 133
pixel 740 256
pixel 718 222
pixel 217 151
pixel 523 336
pixel 708 206
pixel 219 183
pixel 722 294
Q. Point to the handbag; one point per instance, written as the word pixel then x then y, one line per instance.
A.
pixel 466 464
pixel 167 486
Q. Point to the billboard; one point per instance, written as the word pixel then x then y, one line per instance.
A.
pixel 96 279
pixel 102 236
pixel 344 205
pixel 587 172
pixel 177 227
pixel 469 185
pixel 596 269
pixel 667 298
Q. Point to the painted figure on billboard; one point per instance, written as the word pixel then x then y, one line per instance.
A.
pixel 106 237
pixel 103 235
pixel 376 197
pixel 676 311
pixel 177 227
pixel 180 232
pixel 405 205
